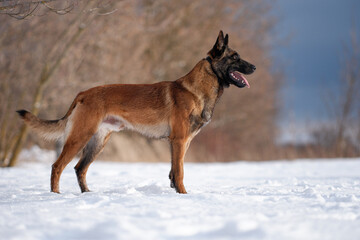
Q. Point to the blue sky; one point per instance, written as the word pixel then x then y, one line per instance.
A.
pixel 317 31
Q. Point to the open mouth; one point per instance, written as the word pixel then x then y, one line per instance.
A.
pixel 238 77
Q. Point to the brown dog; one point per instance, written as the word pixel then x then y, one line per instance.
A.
pixel 174 110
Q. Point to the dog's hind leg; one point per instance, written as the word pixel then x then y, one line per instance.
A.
pixel 91 150
pixel 80 131
pixel 71 148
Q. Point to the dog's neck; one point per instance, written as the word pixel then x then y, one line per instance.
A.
pixel 210 61
pixel 202 80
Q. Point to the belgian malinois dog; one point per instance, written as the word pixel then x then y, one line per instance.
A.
pixel 174 110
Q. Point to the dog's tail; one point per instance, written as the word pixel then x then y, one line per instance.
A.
pixel 48 129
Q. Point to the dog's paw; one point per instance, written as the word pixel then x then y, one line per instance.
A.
pixel 177 185
pixel 181 190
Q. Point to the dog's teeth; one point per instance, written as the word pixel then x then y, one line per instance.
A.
pixel 234 76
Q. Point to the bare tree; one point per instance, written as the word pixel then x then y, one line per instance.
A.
pixel 145 41
pixel 21 9
pixel 341 138
pixel 348 119
pixel 55 55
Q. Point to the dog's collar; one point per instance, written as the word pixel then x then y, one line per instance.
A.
pixel 221 84
pixel 208 58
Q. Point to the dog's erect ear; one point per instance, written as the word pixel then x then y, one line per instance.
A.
pixel 220 45
pixel 226 40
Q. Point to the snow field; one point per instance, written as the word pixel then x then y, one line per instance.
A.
pixel 274 200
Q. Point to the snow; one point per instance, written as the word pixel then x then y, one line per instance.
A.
pixel 303 199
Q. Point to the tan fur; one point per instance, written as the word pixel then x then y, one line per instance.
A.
pixel 49 130
pixel 160 110
pixel 173 110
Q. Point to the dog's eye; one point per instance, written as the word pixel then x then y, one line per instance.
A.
pixel 235 57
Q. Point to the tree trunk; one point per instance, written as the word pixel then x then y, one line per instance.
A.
pixel 45 78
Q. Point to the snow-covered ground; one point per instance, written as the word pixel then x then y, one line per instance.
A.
pixel 274 200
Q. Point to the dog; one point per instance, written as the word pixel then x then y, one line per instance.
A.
pixel 175 110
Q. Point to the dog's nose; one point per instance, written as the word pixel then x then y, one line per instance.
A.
pixel 253 67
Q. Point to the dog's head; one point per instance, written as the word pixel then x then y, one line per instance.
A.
pixel 228 65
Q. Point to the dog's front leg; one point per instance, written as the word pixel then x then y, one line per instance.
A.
pixel 178 149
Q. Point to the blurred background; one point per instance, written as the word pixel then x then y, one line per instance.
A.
pixel 304 100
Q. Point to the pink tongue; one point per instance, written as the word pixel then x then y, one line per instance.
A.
pixel 239 75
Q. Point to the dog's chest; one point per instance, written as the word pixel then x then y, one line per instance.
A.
pixel 203 117
pixel 198 121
